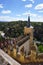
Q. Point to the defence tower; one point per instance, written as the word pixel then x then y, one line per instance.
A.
pixel 28 30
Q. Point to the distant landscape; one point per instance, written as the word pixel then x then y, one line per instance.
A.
pixel 16 28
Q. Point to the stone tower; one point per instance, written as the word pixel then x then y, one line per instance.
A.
pixel 28 30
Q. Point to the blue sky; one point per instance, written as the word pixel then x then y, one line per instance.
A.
pixel 11 10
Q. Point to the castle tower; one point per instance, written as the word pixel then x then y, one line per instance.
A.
pixel 28 30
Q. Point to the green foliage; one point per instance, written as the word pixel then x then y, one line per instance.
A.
pixel 13 29
pixel 40 48
pixel 1 38
pixel 38 31
pixel 16 28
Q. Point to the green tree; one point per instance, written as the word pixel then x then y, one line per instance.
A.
pixel 40 48
pixel 1 38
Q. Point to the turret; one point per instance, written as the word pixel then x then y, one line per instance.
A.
pixel 28 22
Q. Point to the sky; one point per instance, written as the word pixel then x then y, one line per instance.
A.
pixel 14 10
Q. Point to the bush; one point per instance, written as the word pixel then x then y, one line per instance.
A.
pixel 40 48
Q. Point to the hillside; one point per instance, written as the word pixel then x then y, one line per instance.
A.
pixel 16 28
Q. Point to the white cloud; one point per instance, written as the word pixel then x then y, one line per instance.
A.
pixel 32 14
pixel 39 18
pixel 4 18
pixel 1 5
pixel 24 0
pixel 32 1
pixel 28 5
pixel 6 12
pixel 18 15
pixel 26 13
pixel 29 13
pixel 39 6
pixel 32 18
pixel 28 0
pixel 8 18
pixel 40 11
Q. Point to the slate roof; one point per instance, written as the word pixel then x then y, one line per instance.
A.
pixel 23 40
